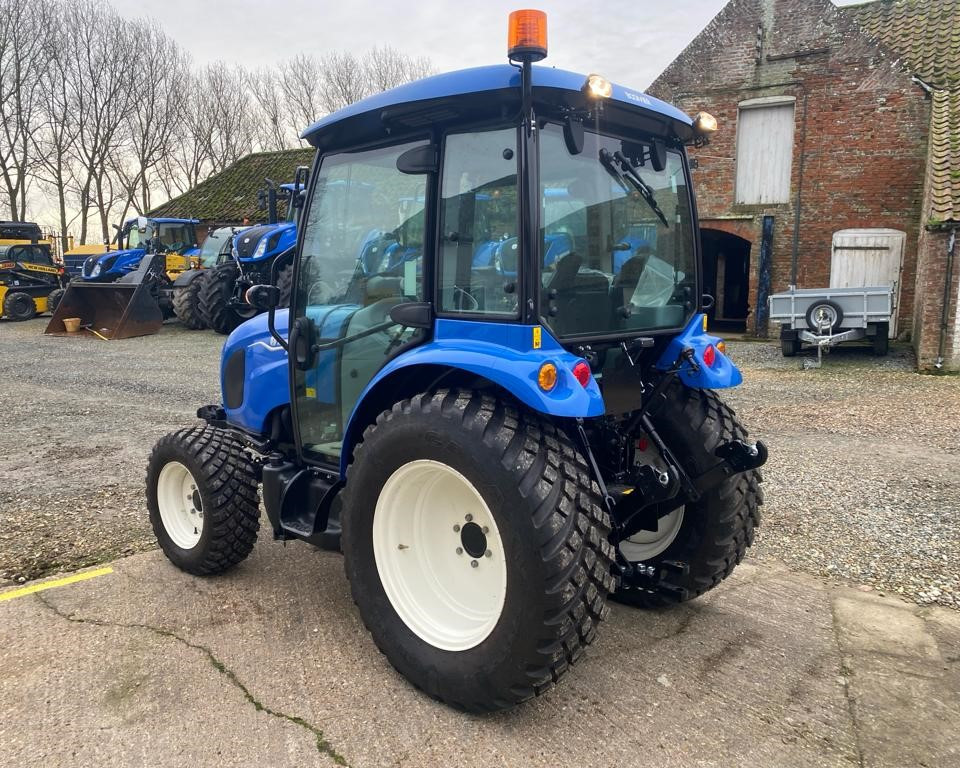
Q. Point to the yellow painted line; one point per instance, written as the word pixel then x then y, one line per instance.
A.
pixel 14 593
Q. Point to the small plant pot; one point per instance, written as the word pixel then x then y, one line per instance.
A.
pixel 71 324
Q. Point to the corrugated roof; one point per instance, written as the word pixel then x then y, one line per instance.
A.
pixel 944 167
pixel 231 195
pixel 925 33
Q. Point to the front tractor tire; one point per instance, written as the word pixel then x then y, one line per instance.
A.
pixel 203 499
pixel 696 546
pixel 186 303
pixel 476 546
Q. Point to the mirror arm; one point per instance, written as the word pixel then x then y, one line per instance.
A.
pixel 272 312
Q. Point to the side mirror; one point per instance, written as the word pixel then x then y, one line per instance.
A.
pixel 263 297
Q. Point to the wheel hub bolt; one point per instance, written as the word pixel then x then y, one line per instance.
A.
pixel 456 529
pixel 473 563
pixel 468 518
pixel 488 553
pixel 486 530
pixel 459 550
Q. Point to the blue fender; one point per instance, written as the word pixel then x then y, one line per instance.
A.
pixel 503 353
pixel 722 374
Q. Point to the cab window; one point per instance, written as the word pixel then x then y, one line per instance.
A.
pixel 479 224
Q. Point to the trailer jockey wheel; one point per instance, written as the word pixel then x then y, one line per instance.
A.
pixel 824 315
pixel 475 543
pixel 18 305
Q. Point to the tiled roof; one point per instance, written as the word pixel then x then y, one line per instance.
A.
pixel 944 167
pixel 925 33
pixel 231 195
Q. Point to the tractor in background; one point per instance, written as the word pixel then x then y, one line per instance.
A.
pixel 261 255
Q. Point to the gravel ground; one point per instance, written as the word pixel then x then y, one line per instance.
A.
pixel 862 485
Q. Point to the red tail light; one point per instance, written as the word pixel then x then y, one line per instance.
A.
pixel 709 355
pixel 581 372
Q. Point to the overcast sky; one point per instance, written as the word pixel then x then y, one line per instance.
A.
pixel 629 41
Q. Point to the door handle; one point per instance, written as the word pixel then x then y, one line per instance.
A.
pixel 302 347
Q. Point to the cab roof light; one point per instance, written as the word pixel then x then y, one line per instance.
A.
pixel 598 87
pixel 527 35
pixel 704 124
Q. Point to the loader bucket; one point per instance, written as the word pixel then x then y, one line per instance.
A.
pixel 109 310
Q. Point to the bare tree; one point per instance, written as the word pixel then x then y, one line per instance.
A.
pixel 160 76
pixel 22 27
pixel 386 67
pixel 226 121
pixel 344 81
pixel 55 139
pixel 100 68
pixel 301 84
pixel 272 124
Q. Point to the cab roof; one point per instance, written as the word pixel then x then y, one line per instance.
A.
pixel 478 82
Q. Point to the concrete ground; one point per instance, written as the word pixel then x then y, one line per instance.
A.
pixel 270 666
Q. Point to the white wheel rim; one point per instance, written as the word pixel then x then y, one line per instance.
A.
pixel 181 510
pixel 645 545
pixel 428 528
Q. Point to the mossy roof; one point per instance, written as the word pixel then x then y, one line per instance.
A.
pixel 230 197
pixel 925 35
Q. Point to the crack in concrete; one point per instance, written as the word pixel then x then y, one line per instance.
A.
pixel 324 747
pixel 847 672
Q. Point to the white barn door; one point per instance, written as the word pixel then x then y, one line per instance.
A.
pixel 867 258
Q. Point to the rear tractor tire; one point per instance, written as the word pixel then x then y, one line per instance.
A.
pixel 476 546
pixel 186 303
pixel 699 545
pixel 203 499
pixel 19 306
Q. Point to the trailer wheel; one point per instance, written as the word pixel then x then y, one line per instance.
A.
pixel 54 298
pixel 475 543
pixel 881 342
pixel 186 303
pixel 18 305
pixel 203 499
pixel 216 292
pixel 697 546
pixel 824 314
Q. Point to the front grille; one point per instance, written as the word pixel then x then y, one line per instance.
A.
pixel 247 240
pixel 74 264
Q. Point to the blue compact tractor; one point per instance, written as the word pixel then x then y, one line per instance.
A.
pixel 494 389
pixel 261 254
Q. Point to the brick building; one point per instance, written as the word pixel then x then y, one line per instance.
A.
pixel 831 119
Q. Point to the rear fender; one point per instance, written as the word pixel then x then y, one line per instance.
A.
pixel 722 374
pixel 505 354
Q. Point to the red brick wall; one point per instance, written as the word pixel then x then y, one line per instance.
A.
pixel 863 144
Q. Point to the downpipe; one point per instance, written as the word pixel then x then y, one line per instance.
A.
pixel 945 313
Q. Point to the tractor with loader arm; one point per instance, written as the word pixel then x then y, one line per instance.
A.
pixel 153 275
pixel 496 448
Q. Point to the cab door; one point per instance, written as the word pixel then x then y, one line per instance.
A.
pixel 361 254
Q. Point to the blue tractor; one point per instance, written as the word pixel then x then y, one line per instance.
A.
pixel 137 237
pixel 261 254
pixel 497 449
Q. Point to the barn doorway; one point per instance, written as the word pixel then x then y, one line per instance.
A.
pixel 726 277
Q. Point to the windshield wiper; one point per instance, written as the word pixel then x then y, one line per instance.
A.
pixel 628 172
